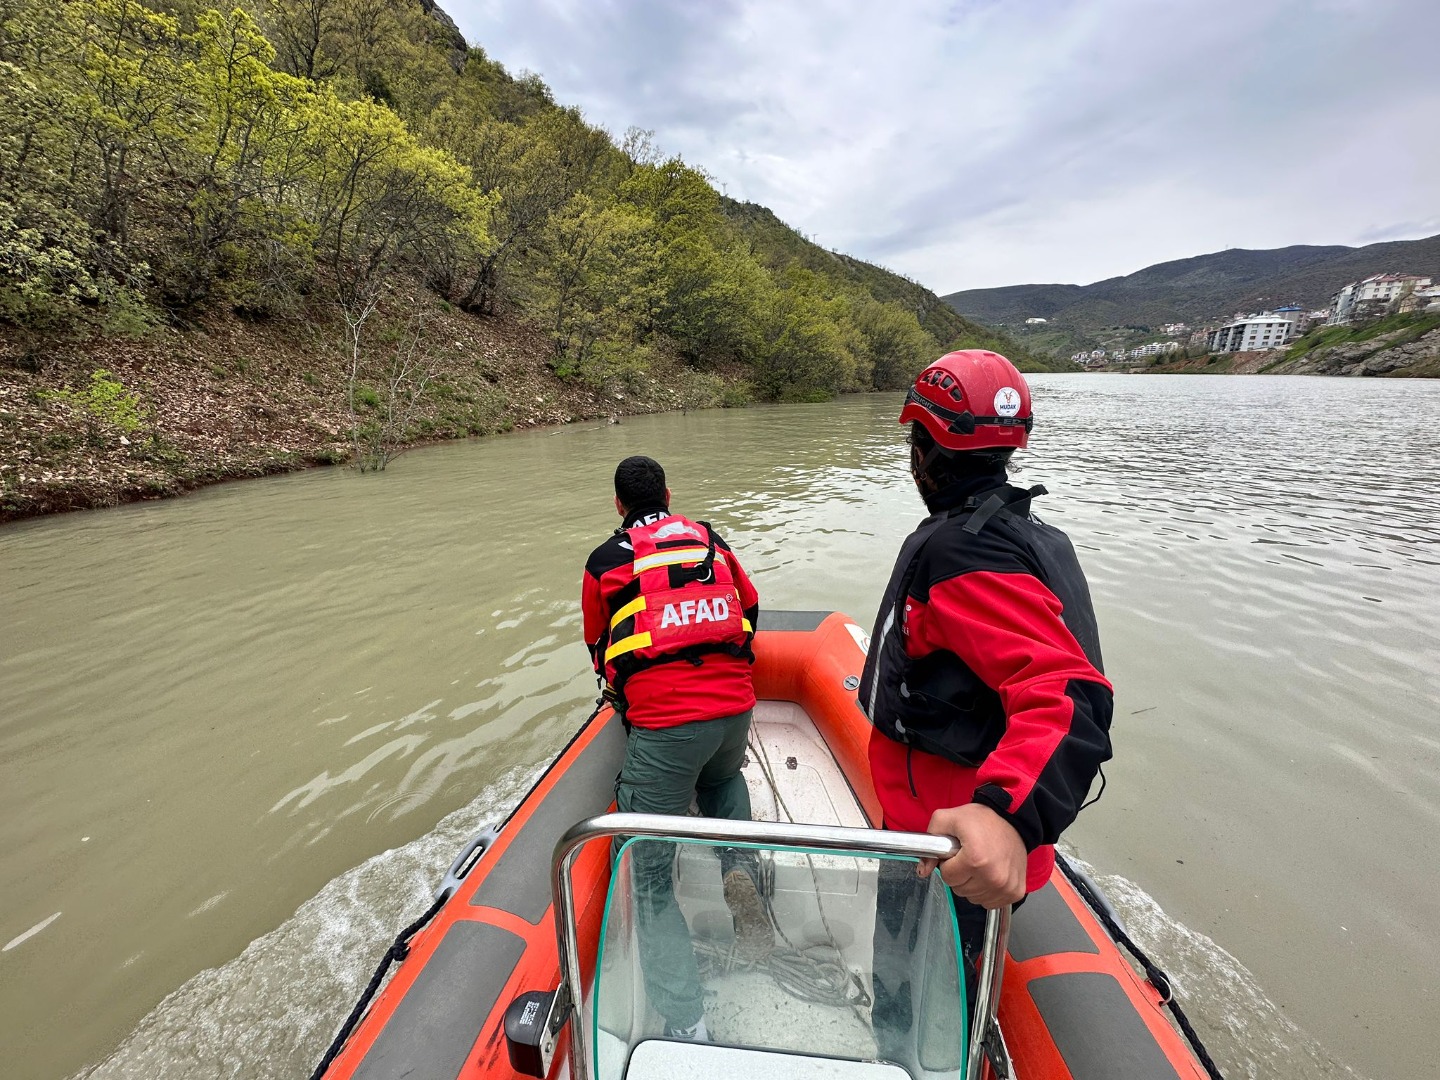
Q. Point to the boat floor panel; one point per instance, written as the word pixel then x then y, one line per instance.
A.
pixel 1045 925
pixel 791 772
pixel 1077 1006
pixel 585 789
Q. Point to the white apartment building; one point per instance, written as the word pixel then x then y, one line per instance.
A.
pixel 1426 298
pixel 1296 315
pixel 1155 348
pixel 1378 288
pixel 1268 330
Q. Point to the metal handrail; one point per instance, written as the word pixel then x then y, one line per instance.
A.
pixel 769 834
pixel 987 990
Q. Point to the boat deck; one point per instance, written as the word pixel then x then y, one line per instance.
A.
pixel 823 899
pixel 791 772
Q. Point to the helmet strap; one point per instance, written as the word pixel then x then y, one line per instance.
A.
pixel 920 470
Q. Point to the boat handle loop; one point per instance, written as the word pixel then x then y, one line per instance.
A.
pixel 766 834
pixel 466 860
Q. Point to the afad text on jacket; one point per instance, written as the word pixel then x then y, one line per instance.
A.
pixel 671 596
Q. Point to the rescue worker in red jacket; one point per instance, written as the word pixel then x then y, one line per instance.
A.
pixel 984 677
pixel 669 616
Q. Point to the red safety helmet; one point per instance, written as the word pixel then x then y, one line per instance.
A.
pixel 971 400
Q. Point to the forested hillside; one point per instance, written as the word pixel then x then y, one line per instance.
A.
pixel 235 240
pixel 242 239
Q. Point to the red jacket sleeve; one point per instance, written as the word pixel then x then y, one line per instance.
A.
pixel 1007 628
pixel 749 598
pixel 596 616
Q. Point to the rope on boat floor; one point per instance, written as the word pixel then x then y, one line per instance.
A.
pixel 815 974
pixel 1156 977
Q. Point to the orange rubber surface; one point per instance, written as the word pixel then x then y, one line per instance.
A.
pixel 811 669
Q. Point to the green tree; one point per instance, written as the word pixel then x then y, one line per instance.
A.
pixel 57 270
pixel 704 293
pixel 531 169
pixel 591 287
pixel 376 198
pixel 305 33
pixel 800 354
pixel 896 347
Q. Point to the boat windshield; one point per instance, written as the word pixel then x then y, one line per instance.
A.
pixel 853 973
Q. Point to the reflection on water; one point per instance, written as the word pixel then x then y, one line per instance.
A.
pixel 212 709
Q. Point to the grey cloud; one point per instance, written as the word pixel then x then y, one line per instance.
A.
pixel 985 143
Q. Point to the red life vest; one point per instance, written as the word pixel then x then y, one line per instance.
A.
pixel 687 603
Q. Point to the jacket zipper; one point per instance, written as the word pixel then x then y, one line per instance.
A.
pixel 909 772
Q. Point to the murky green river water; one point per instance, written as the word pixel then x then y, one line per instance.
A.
pixel 241 733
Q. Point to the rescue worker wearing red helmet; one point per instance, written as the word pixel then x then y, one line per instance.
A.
pixel 983 681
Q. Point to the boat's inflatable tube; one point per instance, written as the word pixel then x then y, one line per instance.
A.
pixel 1071 1008
pixel 442 1015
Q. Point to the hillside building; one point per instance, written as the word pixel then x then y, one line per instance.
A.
pixel 1036 322
pixel 1376 289
pixel 1295 314
pixel 1155 348
pixel 1268 330
pixel 1426 298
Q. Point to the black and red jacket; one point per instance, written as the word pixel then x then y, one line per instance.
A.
pixel 984 677
pixel 669 614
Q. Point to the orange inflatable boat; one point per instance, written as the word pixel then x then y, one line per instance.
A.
pixel 502 981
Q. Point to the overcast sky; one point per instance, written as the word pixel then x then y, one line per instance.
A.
pixel 998 142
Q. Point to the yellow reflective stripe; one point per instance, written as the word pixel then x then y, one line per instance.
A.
pixel 625 645
pixel 638 604
pixel 670 558
pixel 745 624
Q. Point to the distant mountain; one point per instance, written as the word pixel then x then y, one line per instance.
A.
pixel 1202 289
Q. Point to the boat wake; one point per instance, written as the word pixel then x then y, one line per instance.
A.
pixel 1245 1032
pixel 270 1013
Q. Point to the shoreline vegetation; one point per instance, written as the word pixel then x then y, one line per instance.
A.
pixel 112 422
pixel 239 241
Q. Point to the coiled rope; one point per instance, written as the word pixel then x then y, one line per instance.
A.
pixel 1153 974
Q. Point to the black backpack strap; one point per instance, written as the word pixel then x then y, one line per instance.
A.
pixel 1001 500
pixel 704 570
pixel 988 509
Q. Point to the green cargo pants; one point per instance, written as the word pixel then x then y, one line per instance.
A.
pixel 665 768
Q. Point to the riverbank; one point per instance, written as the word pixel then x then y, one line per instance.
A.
pixel 1403 347
pixel 103 422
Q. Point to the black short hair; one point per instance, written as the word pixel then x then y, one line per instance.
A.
pixel 640 482
pixel 950 466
